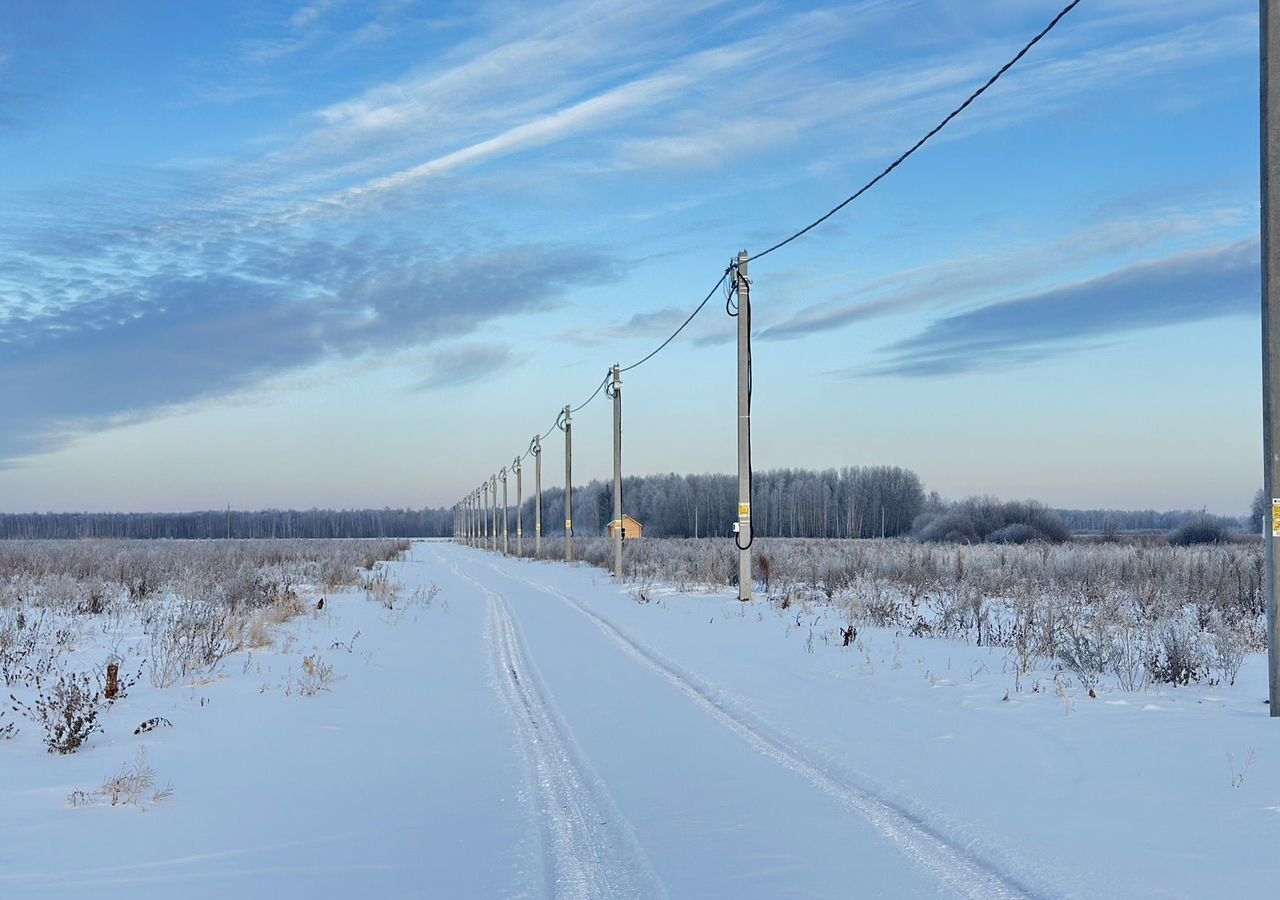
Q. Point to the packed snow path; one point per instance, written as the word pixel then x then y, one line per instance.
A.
pixel 532 730
pixel 732 818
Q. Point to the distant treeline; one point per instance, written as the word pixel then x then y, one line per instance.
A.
pixel 835 503
pixel 1121 521
pixel 270 523
pixel 868 501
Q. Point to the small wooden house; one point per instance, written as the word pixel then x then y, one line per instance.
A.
pixel 631 529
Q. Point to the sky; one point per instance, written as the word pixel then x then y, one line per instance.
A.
pixel 358 254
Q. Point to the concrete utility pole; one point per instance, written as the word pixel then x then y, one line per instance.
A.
pixel 519 512
pixel 1270 54
pixel 537 497
pixel 485 490
pixel 616 391
pixel 567 427
pixel 742 537
pixel 493 492
pixel 506 539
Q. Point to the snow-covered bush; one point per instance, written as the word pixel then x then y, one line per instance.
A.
pixel 128 787
pixel 980 519
pixel 66 708
pixel 1200 531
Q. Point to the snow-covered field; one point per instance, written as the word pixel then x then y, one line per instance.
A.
pixel 474 726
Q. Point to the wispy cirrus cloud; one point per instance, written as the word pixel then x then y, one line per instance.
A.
pixel 1186 287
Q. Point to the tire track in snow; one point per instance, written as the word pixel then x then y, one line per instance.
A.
pixel 954 866
pixel 589 850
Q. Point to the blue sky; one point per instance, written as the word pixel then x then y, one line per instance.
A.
pixel 357 254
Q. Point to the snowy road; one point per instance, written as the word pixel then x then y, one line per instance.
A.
pixel 647 783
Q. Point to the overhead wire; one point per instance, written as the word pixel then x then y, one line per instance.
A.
pixel 697 309
pixel 593 396
pixel 920 143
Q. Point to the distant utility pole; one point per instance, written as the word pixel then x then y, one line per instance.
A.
pixel 506 540
pixel 537 496
pixel 616 391
pixel 567 427
pixel 742 537
pixel 493 492
pixel 1270 93
pixel 519 512
pixel 484 488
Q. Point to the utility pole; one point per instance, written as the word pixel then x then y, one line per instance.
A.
pixel 493 492
pixel 485 488
pixel 567 427
pixel 519 511
pixel 506 541
pixel 742 535
pixel 1269 27
pixel 616 392
pixel 537 496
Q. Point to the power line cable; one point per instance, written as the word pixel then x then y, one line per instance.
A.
pixel 711 293
pixel 920 143
pixel 593 396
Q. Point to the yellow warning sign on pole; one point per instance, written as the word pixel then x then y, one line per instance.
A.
pixel 1275 517
pixel 744 510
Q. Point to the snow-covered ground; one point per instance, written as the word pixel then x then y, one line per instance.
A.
pixel 533 730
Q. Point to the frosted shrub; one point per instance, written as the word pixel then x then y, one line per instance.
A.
pixel 1228 654
pixel 187 637
pixel 1180 655
pixel 128 787
pixel 317 675
pixel 1086 651
pixel 66 708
